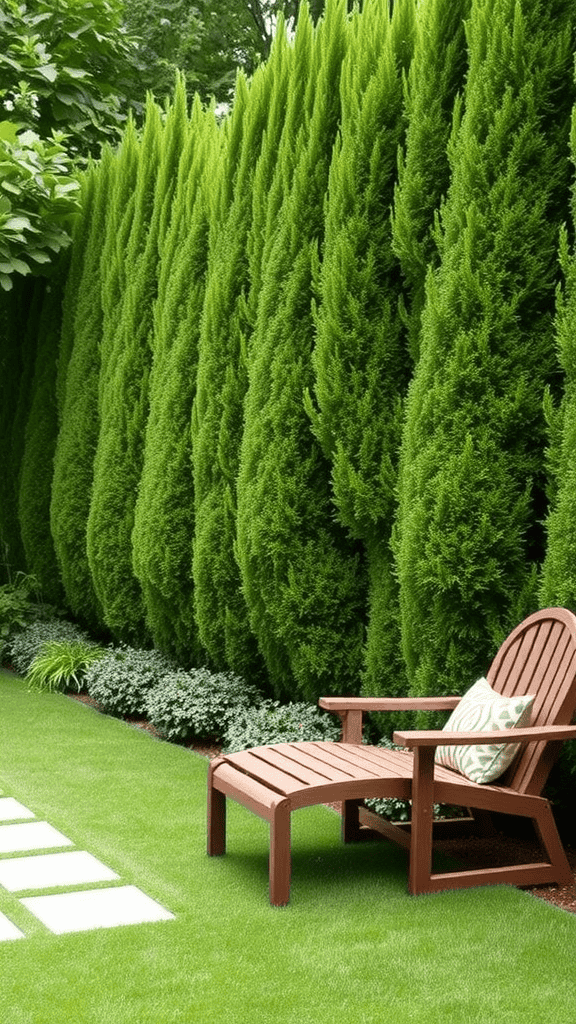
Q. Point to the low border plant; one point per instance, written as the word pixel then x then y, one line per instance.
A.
pixel 273 722
pixel 18 605
pixel 28 642
pixel 120 681
pixel 62 664
pixel 199 704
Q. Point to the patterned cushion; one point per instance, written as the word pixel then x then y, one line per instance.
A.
pixel 482 709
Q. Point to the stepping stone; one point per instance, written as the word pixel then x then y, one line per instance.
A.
pixel 9 930
pixel 52 869
pixel 12 810
pixel 34 835
pixel 98 908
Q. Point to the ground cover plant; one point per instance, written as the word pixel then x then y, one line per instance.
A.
pixel 29 642
pixel 120 681
pixel 199 703
pixel 351 945
pixel 273 722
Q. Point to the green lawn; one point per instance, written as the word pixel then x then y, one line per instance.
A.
pixel 352 946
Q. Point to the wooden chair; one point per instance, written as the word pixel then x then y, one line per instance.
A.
pixel 539 657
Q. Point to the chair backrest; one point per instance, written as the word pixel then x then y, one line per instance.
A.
pixel 539 657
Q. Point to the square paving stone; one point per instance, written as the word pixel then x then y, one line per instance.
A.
pixel 33 835
pixel 8 930
pixel 97 908
pixel 52 869
pixel 12 810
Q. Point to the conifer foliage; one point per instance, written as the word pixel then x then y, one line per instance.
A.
pixel 471 487
pixel 289 416
pixel 78 434
pixel 124 404
pixel 164 514
pixel 360 360
pixel 302 576
pixel 433 82
pixel 39 444
pixel 218 409
pixel 558 583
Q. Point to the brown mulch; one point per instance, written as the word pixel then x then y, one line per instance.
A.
pixel 473 851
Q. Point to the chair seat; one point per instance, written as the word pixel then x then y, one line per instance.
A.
pixel 323 772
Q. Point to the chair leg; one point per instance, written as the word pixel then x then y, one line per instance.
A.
pixel 216 822
pixel 350 827
pixel 551 842
pixel 280 855
pixel 422 820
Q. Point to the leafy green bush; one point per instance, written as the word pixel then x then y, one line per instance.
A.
pixel 61 665
pixel 273 722
pixel 17 607
pixel 42 196
pixel 29 642
pixel 120 681
pixel 199 703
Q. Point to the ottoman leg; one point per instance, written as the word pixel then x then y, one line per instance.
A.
pixel 216 822
pixel 280 857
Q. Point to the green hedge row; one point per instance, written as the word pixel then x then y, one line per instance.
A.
pixel 292 408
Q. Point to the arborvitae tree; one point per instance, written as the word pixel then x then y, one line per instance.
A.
pixel 16 364
pixel 471 484
pixel 40 442
pixel 275 168
pixel 301 577
pixel 221 611
pixel 558 582
pixel 164 515
pixel 74 452
pixel 115 270
pixel 436 75
pixel 72 289
pixel 360 360
pixel 124 383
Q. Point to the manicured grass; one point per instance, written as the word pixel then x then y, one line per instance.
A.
pixel 351 947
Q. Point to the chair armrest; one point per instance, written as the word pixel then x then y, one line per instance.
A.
pixel 351 709
pixel 339 704
pixel 438 737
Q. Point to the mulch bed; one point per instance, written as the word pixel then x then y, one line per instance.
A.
pixel 473 851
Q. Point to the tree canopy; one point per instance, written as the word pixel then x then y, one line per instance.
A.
pixel 66 72
pixel 207 39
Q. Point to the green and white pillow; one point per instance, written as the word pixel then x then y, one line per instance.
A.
pixel 481 709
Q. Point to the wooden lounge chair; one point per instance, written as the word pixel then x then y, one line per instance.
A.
pixel 539 657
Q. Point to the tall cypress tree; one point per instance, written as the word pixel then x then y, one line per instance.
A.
pixel 435 77
pixel 558 581
pixel 471 483
pixel 72 288
pixel 301 576
pixel 124 386
pixel 360 359
pixel 218 408
pixel 40 442
pixel 78 434
pixel 17 354
pixel 164 515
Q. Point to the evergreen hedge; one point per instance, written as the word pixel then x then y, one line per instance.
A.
pixel 360 359
pixel 302 577
pixel 221 611
pixel 78 434
pixel 469 535
pixel 164 514
pixel 123 407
